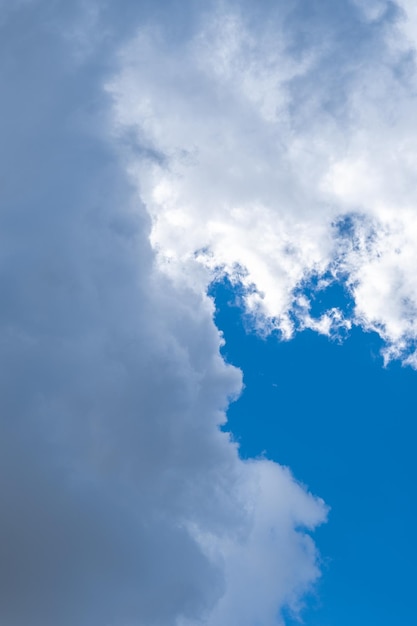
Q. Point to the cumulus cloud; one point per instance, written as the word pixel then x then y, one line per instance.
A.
pixel 283 158
pixel 122 501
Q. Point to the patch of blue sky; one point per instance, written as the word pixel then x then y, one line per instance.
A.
pixel 325 295
pixel 335 294
pixel 346 426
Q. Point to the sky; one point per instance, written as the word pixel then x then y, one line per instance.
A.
pixel 208 322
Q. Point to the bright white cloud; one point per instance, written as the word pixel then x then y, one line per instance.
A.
pixel 122 500
pixel 259 150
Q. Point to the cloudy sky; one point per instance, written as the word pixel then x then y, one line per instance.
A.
pixel 208 322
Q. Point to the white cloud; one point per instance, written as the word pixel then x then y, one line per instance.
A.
pixel 256 581
pixel 122 500
pixel 258 151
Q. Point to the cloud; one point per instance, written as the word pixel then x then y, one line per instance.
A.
pixel 122 500
pixel 275 522
pixel 272 143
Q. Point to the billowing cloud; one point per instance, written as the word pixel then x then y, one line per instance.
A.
pixel 283 159
pixel 122 501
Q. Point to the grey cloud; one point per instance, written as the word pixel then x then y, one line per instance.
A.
pixel 118 491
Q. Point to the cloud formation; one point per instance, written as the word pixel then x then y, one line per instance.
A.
pixel 122 501
pixel 279 151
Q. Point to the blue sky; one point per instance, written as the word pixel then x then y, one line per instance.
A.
pixel 208 322
pixel 345 425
